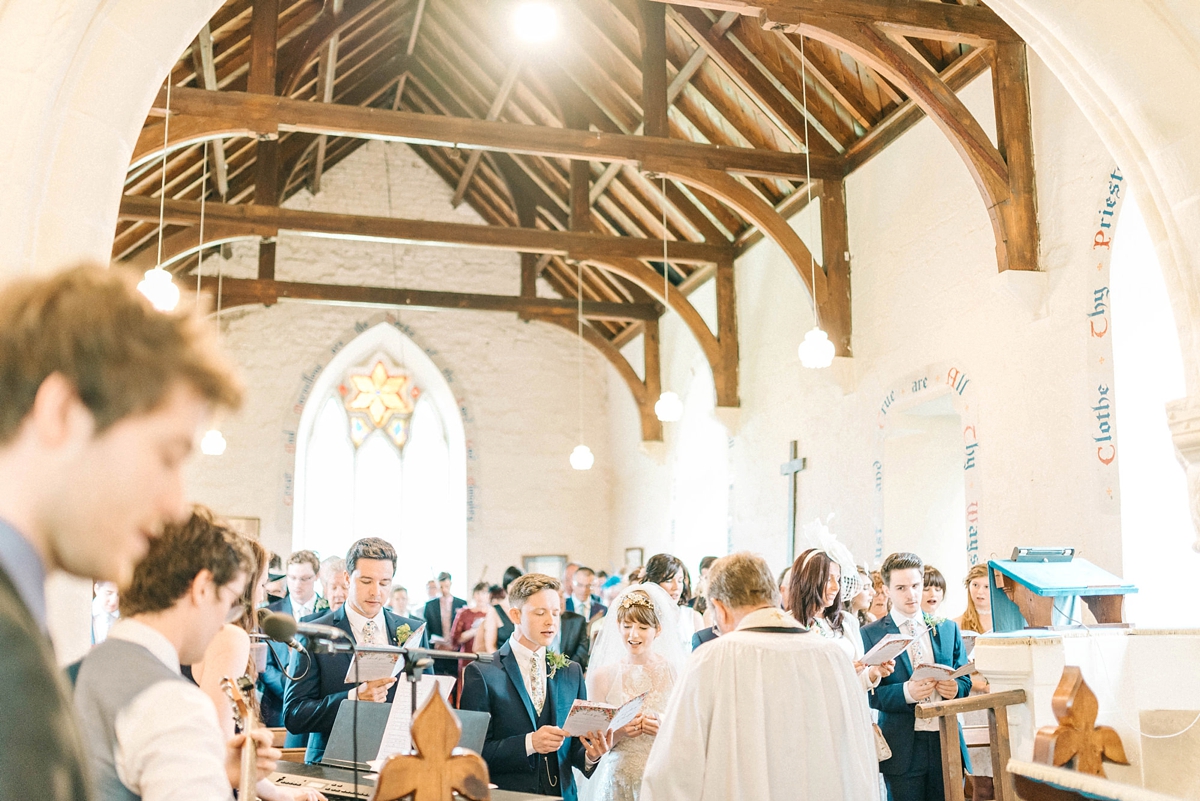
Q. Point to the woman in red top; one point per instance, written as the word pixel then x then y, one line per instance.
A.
pixel 467 623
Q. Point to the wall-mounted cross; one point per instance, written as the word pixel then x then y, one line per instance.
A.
pixel 792 468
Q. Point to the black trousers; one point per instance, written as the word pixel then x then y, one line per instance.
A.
pixel 923 780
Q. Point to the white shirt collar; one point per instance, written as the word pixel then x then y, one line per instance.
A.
pixel 138 633
pixel 918 620
pixel 300 610
pixel 768 616
pixel 357 621
pixel 524 653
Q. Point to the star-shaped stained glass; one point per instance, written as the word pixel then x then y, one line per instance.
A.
pixel 377 399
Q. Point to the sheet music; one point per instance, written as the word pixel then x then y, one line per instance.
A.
pixel 373 665
pixel 890 647
pixel 941 672
pixel 589 716
pixel 397 734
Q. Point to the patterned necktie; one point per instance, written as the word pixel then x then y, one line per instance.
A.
pixel 537 684
pixel 916 653
pixel 368 632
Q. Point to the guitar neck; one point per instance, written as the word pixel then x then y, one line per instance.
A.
pixel 249 772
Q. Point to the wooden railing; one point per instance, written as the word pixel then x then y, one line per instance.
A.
pixel 947 713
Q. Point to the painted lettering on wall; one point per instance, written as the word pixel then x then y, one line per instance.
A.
pixel 971 445
pixel 1102 397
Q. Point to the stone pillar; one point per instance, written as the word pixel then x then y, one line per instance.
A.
pixel 1183 418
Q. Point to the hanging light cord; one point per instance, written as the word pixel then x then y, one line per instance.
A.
pixel 666 280
pixel 808 174
pixel 579 343
pixel 162 195
pixel 203 199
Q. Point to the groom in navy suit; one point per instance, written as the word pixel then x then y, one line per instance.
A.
pixel 914 772
pixel 529 693
pixel 310 704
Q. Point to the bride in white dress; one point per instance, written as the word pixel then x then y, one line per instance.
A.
pixel 639 650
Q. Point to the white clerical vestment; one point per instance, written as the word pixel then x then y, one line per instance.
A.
pixel 765 715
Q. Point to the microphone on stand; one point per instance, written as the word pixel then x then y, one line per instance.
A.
pixel 283 628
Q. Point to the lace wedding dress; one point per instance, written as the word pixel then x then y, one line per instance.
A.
pixel 618 777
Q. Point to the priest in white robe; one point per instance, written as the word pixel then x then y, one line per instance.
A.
pixel 766 711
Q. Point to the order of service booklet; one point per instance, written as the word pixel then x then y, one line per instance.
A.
pixel 589 716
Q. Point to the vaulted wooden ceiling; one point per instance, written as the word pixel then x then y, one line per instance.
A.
pixel 736 77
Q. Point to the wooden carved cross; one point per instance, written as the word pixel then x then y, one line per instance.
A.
pixel 1077 736
pixel 435 772
pixel 792 468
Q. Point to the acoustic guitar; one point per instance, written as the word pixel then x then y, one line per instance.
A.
pixel 239 690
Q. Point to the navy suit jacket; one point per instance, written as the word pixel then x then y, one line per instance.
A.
pixel 498 688
pixel 573 638
pixel 433 623
pixel 598 609
pixel 704 635
pixel 896 716
pixel 272 681
pixel 310 703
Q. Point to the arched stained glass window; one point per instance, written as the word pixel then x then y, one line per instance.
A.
pixel 381 453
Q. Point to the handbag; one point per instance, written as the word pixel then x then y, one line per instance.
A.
pixel 883 751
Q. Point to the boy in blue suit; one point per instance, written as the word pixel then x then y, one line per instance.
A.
pixel 914 772
pixel 529 698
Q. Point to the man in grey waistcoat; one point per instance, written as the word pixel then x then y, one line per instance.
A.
pixel 150 733
pixel 101 396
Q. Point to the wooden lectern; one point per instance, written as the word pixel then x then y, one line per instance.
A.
pixel 1032 594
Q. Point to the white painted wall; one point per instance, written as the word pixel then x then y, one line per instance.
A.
pixel 925 292
pixel 516 382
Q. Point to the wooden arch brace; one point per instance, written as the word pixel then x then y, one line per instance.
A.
pixel 645 393
pixel 1004 175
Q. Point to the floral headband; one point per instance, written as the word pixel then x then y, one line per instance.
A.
pixel 637 599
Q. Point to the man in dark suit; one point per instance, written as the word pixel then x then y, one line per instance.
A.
pixel 574 642
pixel 529 697
pixel 582 601
pixel 439 618
pixel 914 772
pixel 310 703
pixel 100 399
pixel 704 635
pixel 300 602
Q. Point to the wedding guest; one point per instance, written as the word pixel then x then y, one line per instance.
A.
pixel 698 601
pixel 101 396
pixel 231 654
pixel 881 604
pixel 638 652
pixel 431 588
pixel 302 599
pixel 498 627
pixel 934 591
pixel 104 609
pixel 784 578
pixel 668 572
pixel 150 732
pixel 978 615
pixel 276 579
pixel 613 586
pixel 747 698
pixel 816 601
pixel 860 604
pixel 300 602
pixel 439 619
pixel 311 701
pixel 398 602
pixel 529 692
pixel 335 583
pixel 470 618
pixel 582 601
pixel 914 771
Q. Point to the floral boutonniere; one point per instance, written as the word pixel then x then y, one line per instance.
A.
pixel 403 633
pixel 933 622
pixel 556 661
pixel 322 605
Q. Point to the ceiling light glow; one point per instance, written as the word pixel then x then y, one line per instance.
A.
pixel 535 21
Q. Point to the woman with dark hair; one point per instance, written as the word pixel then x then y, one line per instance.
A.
pixel 668 572
pixel 814 597
pixel 497 627
pixel 934 591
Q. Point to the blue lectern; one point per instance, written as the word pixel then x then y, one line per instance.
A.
pixel 1045 594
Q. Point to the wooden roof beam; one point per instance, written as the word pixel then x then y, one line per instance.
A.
pixel 208 115
pixel 506 87
pixel 248 291
pixel 944 21
pixel 268 221
pixel 206 72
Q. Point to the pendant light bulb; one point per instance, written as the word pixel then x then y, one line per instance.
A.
pixel 816 351
pixel 582 458
pixel 160 289
pixel 213 443
pixel 535 21
pixel 669 408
